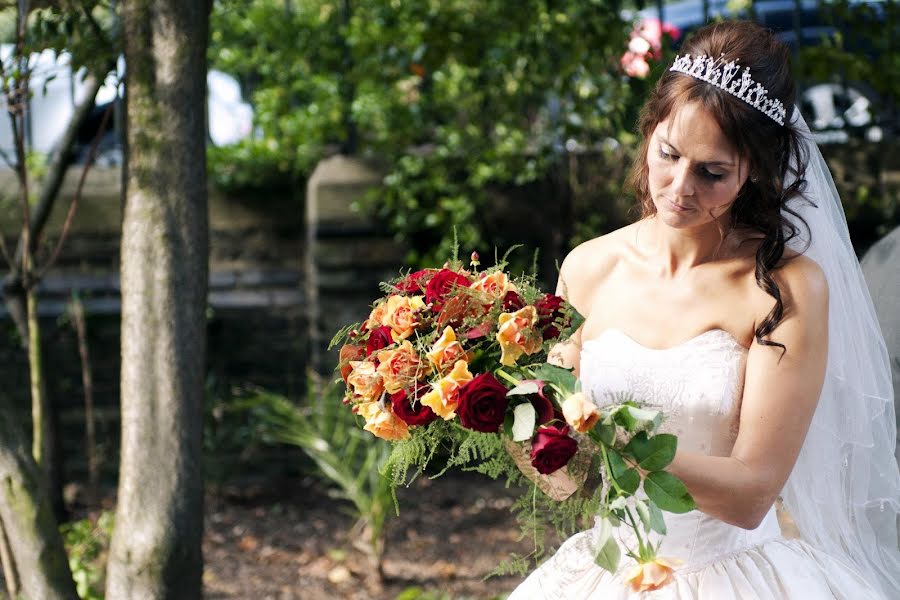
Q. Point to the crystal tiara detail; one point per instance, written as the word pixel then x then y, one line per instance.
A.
pixel 724 76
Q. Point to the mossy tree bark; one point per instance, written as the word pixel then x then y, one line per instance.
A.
pixel 28 521
pixel 156 544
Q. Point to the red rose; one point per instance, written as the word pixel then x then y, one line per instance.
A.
pixel 512 302
pixel 482 404
pixel 441 285
pixel 414 283
pixel 412 415
pixel 549 309
pixel 379 339
pixel 552 448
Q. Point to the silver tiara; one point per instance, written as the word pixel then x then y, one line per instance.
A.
pixel 724 76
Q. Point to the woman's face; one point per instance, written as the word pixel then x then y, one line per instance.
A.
pixel 695 173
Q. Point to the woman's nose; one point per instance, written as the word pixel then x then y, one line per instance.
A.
pixel 682 182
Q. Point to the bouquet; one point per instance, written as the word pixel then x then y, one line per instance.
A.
pixel 453 361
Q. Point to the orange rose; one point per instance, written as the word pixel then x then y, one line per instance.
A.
pixel 400 368
pixel 348 353
pixel 375 317
pixel 494 285
pixel 401 315
pixel 580 413
pixel 517 335
pixel 444 395
pixel 365 380
pixel 382 422
pixel 446 350
pixel 652 575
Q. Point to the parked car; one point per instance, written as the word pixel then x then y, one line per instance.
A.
pixel 835 110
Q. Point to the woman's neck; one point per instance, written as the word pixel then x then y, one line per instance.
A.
pixel 675 251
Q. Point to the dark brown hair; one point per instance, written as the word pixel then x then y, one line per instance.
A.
pixel 772 151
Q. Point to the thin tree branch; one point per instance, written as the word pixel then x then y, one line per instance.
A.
pixel 70 215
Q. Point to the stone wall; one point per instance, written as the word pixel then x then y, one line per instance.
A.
pixel 259 316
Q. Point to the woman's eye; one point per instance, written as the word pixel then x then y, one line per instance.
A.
pixel 711 176
pixel 665 155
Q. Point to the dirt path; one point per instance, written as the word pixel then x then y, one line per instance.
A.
pixel 294 542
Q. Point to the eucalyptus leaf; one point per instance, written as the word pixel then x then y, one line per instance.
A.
pixel 524 417
pixel 668 492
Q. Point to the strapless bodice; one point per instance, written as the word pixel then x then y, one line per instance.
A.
pixel 698 385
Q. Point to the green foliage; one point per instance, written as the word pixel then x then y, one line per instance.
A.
pixel 460 101
pixel 349 459
pixel 87 544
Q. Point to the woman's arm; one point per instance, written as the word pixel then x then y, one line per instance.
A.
pixel 567 354
pixel 779 400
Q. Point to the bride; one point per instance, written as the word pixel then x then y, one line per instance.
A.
pixel 736 305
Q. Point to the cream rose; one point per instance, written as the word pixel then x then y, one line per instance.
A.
pixel 580 413
pixel 365 380
pixel 382 422
pixel 401 314
pixel 400 367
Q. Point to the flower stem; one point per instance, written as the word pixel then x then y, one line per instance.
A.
pixel 504 375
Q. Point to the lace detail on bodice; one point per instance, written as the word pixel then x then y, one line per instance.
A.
pixel 697 384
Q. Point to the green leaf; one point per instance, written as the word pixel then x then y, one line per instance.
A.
pixel 635 419
pixel 558 376
pixel 608 553
pixel 627 478
pixel 524 389
pixel 643 512
pixel 524 418
pixel 668 492
pixel 657 522
pixel 652 453
pixel 603 433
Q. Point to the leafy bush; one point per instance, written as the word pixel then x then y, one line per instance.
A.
pixel 87 545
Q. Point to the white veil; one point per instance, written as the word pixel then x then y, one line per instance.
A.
pixel 844 491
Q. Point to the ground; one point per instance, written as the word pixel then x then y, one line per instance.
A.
pixel 295 542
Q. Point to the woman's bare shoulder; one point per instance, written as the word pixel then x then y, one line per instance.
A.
pixel 589 262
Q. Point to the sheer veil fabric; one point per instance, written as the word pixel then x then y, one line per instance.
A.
pixel 844 491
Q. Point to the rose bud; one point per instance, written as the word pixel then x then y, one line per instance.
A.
pixel 482 404
pixel 474 260
pixel 580 413
pixel 552 448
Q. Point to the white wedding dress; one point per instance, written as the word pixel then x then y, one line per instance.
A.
pixel 698 384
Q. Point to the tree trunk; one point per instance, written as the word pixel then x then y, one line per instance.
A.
pixel 28 522
pixel 155 550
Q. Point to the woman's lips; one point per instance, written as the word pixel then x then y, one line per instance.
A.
pixel 677 207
